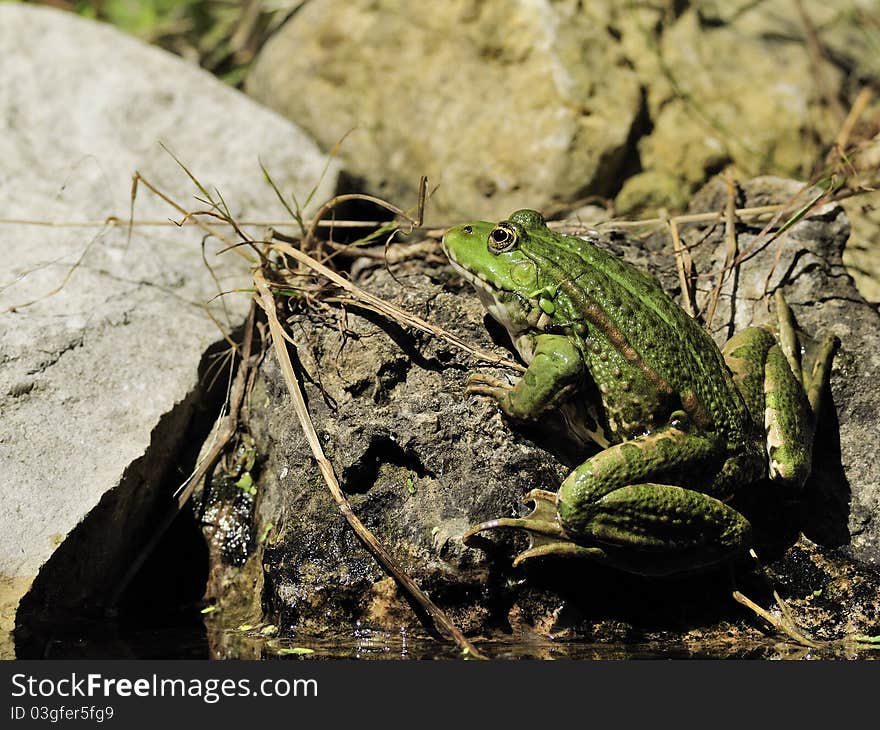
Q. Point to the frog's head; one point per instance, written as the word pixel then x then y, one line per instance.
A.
pixel 491 256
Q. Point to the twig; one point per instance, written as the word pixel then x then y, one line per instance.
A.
pixel 389 309
pixel 227 427
pixel 775 622
pixel 113 220
pixel 730 249
pixel 855 112
pixel 685 267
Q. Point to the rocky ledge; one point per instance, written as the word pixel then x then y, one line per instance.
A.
pixel 421 462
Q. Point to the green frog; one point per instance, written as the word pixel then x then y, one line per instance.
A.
pixel 680 424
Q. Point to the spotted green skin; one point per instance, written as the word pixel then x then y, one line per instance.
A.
pixel 681 425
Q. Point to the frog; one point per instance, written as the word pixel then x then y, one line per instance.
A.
pixel 678 425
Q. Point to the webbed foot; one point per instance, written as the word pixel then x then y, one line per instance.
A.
pixel 546 535
pixel 479 384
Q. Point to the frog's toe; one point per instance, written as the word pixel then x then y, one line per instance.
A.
pixel 542 527
pixel 561 547
pixel 479 384
pixel 816 382
pixel 540 524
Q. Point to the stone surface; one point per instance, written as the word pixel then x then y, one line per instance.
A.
pixel 500 104
pixel 762 112
pixel 421 462
pixel 512 103
pixel 98 380
pixel 862 254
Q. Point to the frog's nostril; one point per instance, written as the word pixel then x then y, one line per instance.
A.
pixel 467 229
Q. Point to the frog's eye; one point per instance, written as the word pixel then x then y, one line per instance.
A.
pixel 502 238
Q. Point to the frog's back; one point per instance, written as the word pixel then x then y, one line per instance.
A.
pixel 646 355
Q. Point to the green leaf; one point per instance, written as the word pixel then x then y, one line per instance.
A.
pixel 265 533
pixel 246 482
pixel 209 609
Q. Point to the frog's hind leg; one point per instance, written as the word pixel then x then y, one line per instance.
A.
pixel 781 392
pixel 776 400
pixel 546 535
pixel 610 509
pixel 659 529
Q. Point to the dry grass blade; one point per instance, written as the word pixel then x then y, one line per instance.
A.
pixel 730 249
pixel 441 620
pixel 52 292
pixel 421 250
pixel 685 267
pixel 309 237
pixel 846 129
pixel 778 624
pixel 226 429
pixel 138 179
pixel 390 310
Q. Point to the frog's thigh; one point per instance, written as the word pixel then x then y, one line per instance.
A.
pixel 555 368
pixel 745 354
pixel 668 456
pixel 681 528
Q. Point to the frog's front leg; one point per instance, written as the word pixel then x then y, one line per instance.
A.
pixel 625 506
pixel 555 370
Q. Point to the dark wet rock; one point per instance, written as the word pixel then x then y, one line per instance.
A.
pixel 421 462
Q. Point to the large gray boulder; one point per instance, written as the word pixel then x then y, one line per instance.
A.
pixel 99 380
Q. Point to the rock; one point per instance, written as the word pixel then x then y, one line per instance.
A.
pixel 420 462
pixel 840 27
pixel 100 380
pixel 417 465
pixel 737 90
pixel 862 253
pixel 501 105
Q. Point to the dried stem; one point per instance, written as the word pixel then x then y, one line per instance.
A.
pixel 397 314
pixel 227 427
pixel 685 267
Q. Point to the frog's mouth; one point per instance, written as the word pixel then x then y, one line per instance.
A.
pixel 490 297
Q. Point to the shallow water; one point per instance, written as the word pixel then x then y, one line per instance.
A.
pixel 193 639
